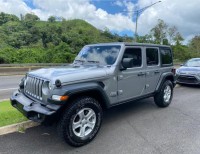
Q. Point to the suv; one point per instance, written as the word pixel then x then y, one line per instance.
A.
pixel 101 76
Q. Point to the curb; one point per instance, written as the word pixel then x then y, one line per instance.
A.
pixel 1 100
pixel 19 127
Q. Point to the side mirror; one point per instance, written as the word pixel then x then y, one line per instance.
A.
pixel 127 63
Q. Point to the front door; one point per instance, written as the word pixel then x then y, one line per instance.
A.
pixel 131 82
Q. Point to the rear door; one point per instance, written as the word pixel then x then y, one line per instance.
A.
pixel 153 71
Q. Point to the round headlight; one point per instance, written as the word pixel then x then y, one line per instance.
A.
pixel 46 87
pixel 49 85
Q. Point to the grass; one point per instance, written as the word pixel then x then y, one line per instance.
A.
pixel 9 115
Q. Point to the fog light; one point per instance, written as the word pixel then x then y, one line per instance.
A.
pixel 60 98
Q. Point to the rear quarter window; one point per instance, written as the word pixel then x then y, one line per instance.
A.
pixel 166 56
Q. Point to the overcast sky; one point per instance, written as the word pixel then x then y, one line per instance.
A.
pixel 115 14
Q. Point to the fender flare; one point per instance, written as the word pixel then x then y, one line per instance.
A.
pixel 163 78
pixel 79 88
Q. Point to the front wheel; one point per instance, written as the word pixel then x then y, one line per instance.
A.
pixel 164 97
pixel 81 121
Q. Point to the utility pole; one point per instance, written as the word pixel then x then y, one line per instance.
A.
pixel 139 12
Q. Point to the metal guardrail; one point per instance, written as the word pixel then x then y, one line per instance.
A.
pixel 21 69
pixel 33 64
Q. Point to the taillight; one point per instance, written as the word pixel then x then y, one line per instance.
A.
pixel 174 71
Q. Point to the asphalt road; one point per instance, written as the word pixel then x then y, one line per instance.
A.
pixel 8 84
pixel 135 128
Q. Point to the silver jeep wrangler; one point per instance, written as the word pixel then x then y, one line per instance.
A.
pixel 101 76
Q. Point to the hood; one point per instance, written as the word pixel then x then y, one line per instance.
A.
pixel 189 70
pixel 68 74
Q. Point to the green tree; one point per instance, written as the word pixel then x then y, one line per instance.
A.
pixel 159 32
pixel 30 20
pixel 172 31
pixel 8 55
pixel 31 17
pixel 181 53
pixel 51 19
pixel 194 44
pixel 4 18
pixel 61 53
pixel 178 38
pixel 145 39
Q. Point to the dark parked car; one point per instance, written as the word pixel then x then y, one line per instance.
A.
pixel 189 72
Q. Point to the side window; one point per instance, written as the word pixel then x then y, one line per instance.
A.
pixel 152 56
pixel 166 56
pixel 136 54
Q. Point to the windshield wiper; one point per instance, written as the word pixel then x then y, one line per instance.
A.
pixel 93 61
pixel 79 60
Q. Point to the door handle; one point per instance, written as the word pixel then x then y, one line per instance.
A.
pixel 156 72
pixel 141 74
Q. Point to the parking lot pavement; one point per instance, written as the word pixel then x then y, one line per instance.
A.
pixel 133 128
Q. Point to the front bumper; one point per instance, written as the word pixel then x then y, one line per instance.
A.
pixel 188 79
pixel 33 110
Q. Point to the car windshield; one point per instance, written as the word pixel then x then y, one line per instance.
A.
pixel 104 55
pixel 193 63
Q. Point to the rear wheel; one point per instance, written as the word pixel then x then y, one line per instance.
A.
pixel 81 121
pixel 164 97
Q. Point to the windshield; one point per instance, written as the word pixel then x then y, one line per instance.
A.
pixel 105 55
pixel 193 63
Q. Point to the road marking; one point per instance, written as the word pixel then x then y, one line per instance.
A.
pixel 8 89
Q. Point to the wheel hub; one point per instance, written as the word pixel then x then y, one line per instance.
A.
pixel 167 93
pixel 84 122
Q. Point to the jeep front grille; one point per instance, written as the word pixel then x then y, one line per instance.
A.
pixel 33 87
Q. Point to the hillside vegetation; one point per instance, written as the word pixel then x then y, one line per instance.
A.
pixel 29 40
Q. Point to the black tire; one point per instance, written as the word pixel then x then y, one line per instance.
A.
pixel 65 126
pixel 159 97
